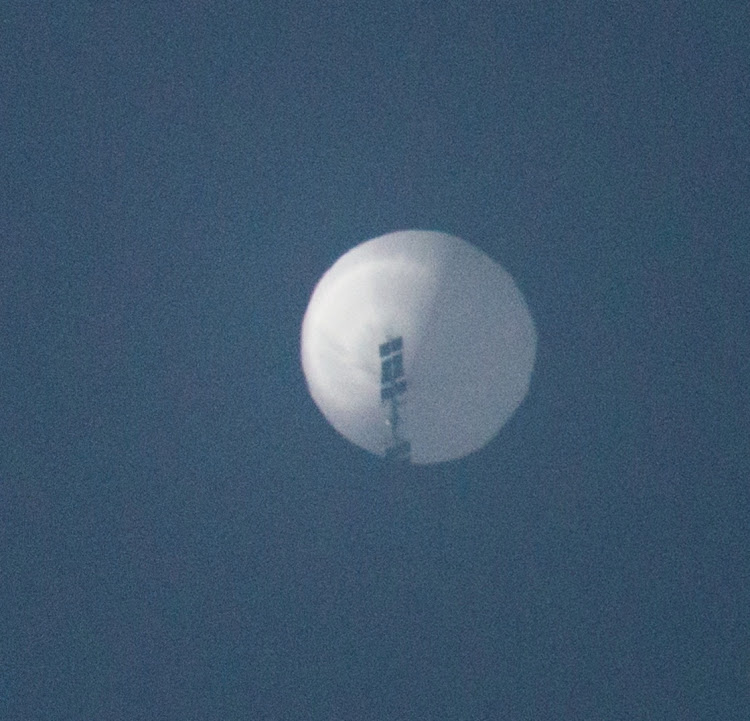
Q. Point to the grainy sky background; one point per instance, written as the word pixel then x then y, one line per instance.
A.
pixel 182 535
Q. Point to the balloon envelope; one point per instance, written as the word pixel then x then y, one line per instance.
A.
pixel 468 343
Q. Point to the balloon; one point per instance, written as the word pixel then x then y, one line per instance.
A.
pixel 420 338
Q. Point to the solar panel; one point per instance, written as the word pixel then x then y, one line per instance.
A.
pixel 392 385
pixel 391 346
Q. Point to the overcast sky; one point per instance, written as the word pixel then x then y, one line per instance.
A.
pixel 183 536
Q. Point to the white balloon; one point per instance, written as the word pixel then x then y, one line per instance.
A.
pixel 469 344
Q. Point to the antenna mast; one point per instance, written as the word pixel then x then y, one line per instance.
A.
pixel 392 387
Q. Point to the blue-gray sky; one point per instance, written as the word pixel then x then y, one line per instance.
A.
pixel 182 536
